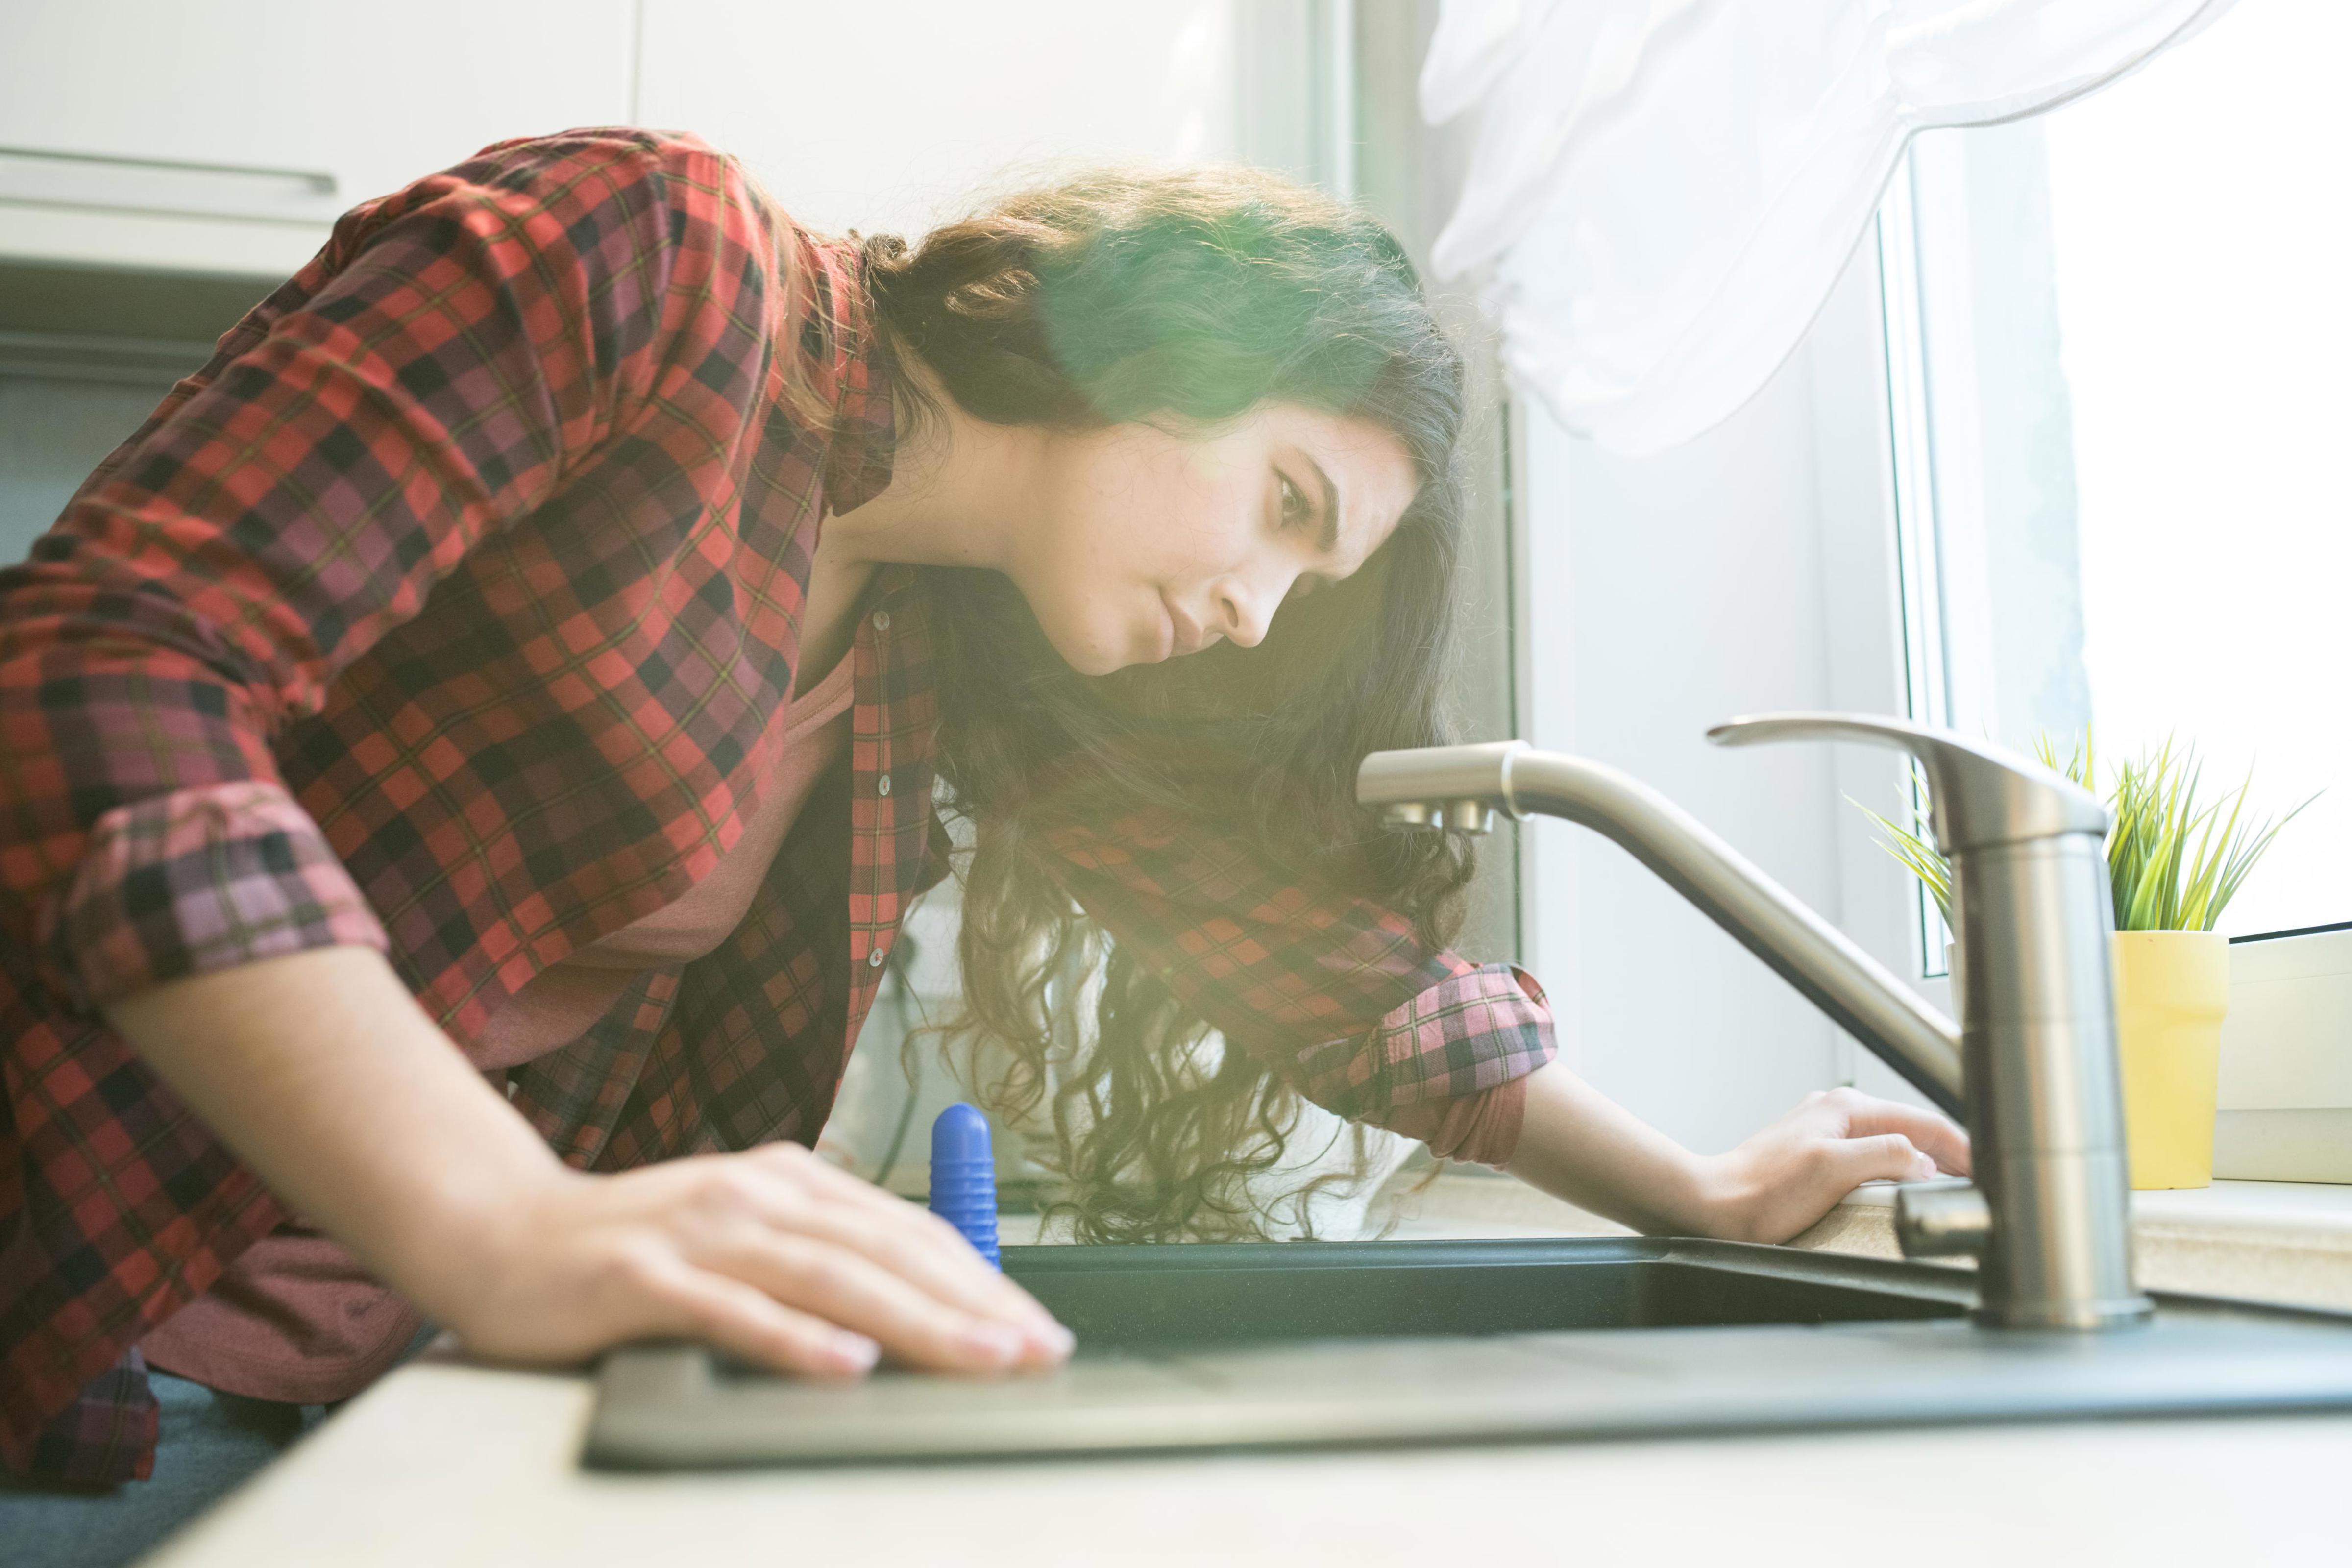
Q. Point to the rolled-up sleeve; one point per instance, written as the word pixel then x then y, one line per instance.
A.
pixel 201 879
pixel 1472 1031
pixel 422 382
pixel 1334 995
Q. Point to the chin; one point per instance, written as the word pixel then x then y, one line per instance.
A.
pixel 1107 664
pixel 1088 656
pixel 1089 645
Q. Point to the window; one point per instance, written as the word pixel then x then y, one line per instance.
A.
pixel 2120 375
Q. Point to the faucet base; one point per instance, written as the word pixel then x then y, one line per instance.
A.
pixel 2067 1317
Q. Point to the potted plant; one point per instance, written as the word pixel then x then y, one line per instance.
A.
pixel 2173 867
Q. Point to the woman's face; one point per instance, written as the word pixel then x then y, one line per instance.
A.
pixel 1153 541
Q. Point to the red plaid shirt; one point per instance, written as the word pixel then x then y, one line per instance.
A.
pixel 452 609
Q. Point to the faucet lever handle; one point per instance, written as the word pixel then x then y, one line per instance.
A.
pixel 1979 794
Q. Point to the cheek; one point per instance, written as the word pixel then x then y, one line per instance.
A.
pixel 1145 509
pixel 1131 513
pixel 1075 571
pixel 1192 521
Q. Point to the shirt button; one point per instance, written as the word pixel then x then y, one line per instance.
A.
pixel 881 620
pixel 884 787
pixel 874 959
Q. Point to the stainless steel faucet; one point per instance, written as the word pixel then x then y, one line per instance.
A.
pixel 2032 1072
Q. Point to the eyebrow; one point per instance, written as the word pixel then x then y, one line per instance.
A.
pixel 1329 542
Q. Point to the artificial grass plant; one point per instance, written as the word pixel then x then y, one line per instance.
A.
pixel 2172 864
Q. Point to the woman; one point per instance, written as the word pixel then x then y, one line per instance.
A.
pixel 540 630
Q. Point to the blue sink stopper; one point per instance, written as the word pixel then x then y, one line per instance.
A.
pixel 963 1177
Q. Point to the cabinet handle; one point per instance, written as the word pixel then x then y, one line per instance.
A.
pixel 105 181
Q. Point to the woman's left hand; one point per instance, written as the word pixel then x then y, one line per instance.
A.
pixel 1779 1183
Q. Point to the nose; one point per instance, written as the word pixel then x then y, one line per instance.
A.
pixel 1242 610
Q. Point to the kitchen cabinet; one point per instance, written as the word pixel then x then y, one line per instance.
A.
pixel 227 136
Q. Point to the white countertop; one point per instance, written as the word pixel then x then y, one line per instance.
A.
pixel 2286 1242
pixel 446 1463
pixel 451 1465
pixel 2313 1209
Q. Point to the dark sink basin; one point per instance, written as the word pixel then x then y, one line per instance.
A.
pixel 1202 1347
pixel 1127 1299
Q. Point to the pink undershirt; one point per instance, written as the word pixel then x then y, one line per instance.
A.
pixel 295 1317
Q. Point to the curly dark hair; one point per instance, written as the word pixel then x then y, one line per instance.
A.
pixel 1127 295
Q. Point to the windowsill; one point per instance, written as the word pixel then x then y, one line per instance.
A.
pixel 2284 1242
pixel 2310 1209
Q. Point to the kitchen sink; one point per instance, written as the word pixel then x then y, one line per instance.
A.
pixel 1191 1348
pixel 1168 1299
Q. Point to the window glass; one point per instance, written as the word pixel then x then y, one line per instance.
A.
pixel 2125 331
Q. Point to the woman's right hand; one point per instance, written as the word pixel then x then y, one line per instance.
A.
pixel 770 1254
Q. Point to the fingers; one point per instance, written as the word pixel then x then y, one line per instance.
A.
pixel 843 1287
pixel 1883 1157
pixel 1787 1176
pixel 911 1242
pixel 821 1240
pixel 926 1252
pixel 1865 1115
pixel 749 1322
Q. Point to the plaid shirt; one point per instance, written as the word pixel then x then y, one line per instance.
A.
pixel 452 609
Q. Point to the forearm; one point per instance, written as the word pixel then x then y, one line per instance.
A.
pixel 322 1074
pixel 1577 1144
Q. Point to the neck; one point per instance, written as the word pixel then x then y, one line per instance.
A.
pixel 954 495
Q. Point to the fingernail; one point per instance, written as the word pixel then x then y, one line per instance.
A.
pixel 995 1342
pixel 1052 1341
pixel 856 1353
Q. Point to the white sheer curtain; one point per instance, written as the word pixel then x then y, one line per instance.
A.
pixel 1661 192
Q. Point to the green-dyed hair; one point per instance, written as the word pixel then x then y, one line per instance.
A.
pixel 1124 295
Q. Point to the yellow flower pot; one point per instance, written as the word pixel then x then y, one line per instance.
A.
pixel 2172 988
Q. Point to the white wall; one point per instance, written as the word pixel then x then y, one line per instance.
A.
pixel 887 115
pixel 1742 573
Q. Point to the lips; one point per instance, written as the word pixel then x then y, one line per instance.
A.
pixel 1183 636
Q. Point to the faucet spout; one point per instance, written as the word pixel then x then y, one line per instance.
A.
pixel 2048 1216
pixel 1803 949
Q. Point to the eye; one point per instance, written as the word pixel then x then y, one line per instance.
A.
pixel 1296 511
